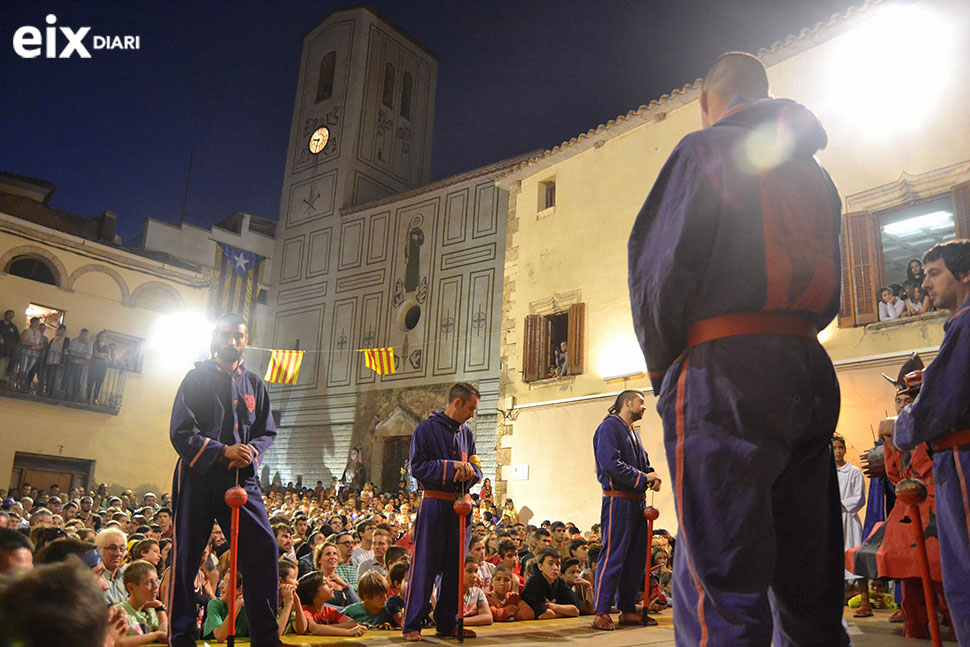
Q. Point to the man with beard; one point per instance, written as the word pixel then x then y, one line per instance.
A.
pixel 624 472
pixel 221 426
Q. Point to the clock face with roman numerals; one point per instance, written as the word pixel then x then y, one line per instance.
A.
pixel 319 139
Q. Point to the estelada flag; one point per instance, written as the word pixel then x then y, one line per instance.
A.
pixel 284 366
pixel 380 360
pixel 236 277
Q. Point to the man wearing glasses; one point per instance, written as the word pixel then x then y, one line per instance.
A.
pixel 111 543
pixel 345 550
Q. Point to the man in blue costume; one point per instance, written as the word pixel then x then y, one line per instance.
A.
pixel 940 416
pixel 221 426
pixel 624 473
pixel 733 270
pixel 444 461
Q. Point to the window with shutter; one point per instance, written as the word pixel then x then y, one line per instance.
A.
pixel 846 316
pixel 961 209
pixel 576 343
pixel 531 366
pixel 860 245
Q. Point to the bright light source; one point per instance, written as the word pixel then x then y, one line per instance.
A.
pixel 179 339
pixel 889 73
pixel 622 357
pixel 769 146
pixel 926 221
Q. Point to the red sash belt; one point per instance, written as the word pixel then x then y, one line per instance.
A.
pixel 435 494
pixel 619 494
pixel 953 439
pixel 753 323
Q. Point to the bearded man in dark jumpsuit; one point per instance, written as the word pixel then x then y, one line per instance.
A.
pixel 733 269
pixel 221 427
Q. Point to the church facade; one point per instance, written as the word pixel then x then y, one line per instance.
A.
pixel 369 255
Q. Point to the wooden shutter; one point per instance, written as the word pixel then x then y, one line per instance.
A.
pixel 531 349
pixel 863 272
pixel 846 313
pixel 961 209
pixel 576 341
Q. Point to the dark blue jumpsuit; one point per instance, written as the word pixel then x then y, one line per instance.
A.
pixel 621 464
pixel 212 410
pixel 943 407
pixel 743 221
pixel 437 443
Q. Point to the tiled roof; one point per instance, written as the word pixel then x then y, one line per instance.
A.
pixel 657 108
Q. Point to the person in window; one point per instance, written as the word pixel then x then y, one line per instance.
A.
pixel 561 366
pixel 56 357
pixel 890 306
pixel 9 340
pixel 98 367
pixel 915 275
pixel 77 359
pixel 31 347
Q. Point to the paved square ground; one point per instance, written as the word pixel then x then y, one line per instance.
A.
pixel 866 632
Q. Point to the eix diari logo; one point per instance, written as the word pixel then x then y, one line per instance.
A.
pixel 65 42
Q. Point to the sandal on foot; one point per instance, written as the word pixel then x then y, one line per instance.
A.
pixel 604 622
pixel 412 636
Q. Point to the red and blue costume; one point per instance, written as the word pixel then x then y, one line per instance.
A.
pixel 940 416
pixel 214 409
pixel 438 443
pixel 622 466
pixel 733 269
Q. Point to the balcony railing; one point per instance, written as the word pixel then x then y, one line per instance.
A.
pixel 76 386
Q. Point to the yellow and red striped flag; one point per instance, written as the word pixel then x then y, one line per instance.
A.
pixel 284 366
pixel 380 360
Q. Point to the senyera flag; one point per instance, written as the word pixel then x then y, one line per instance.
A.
pixel 284 366
pixel 380 360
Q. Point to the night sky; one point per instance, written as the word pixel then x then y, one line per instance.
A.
pixel 218 79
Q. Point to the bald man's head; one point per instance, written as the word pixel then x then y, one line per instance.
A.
pixel 732 74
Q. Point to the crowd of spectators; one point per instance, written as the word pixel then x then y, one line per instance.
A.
pixel 42 359
pixel 343 570
pixel 906 299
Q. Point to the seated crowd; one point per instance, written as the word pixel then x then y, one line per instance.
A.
pixel 343 569
pixel 56 366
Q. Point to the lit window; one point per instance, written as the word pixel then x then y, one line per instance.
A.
pixel 325 84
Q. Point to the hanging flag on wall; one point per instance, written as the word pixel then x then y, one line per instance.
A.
pixel 380 360
pixel 236 276
pixel 284 366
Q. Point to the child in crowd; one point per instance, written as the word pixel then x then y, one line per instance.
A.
pixel 397 576
pixel 372 589
pixel 217 620
pixel 314 590
pixel 504 603
pixel 289 616
pixel 546 592
pixel 476 550
pixel 509 555
pixel 394 555
pixel 147 621
pixel 589 573
pixel 572 575
pixel 878 597
pixel 475 607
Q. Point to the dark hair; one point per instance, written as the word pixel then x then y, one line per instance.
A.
pixel 568 562
pixel 397 572
pixel 593 555
pixel 839 439
pixel 142 547
pixel 502 568
pixel 736 73
pixel 576 543
pixel 286 567
pixel 59 551
pixel 955 255
pixel 912 278
pixel 394 554
pixel 542 532
pixel 470 560
pixel 163 509
pixel 229 319
pixel 546 553
pixel 11 540
pixel 462 391
pixel 32 607
pixel 885 289
pixel 620 399
pixel 556 525
pixel 506 546
pixel 306 587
